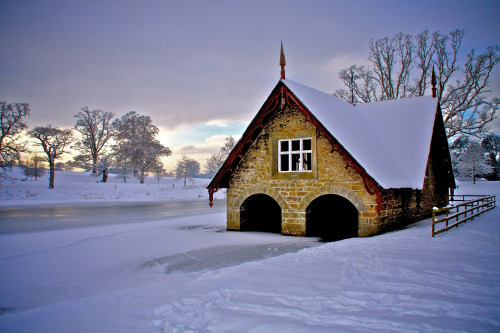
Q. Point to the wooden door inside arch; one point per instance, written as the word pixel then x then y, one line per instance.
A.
pixel 331 217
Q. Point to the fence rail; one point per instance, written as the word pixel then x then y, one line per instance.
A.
pixel 462 212
pixel 466 197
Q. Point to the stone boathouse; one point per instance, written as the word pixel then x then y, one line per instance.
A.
pixel 310 164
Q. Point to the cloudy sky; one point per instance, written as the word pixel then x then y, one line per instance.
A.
pixel 201 69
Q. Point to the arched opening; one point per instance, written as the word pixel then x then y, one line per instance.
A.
pixel 260 212
pixel 331 217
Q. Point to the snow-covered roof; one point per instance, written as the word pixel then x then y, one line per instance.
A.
pixel 390 139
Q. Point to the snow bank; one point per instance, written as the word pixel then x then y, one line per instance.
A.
pixel 73 186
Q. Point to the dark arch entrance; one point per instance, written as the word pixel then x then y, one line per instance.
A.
pixel 331 217
pixel 260 212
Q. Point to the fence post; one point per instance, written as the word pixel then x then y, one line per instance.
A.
pixel 433 219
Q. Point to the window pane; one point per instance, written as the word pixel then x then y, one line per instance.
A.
pixel 284 145
pixel 306 160
pixel 306 144
pixel 295 145
pixel 284 163
pixel 295 162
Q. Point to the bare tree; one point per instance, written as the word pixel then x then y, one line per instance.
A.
pixel 136 143
pixel 134 127
pixel 82 161
pixel 60 166
pixel 71 165
pixel 95 127
pixel 148 156
pixel 214 163
pixel 228 145
pixel 159 171
pixel 37 162
pixel 392 59
pixel 12 123
pixel 54 141
pixel 123 163
pixel 187 168
pixel 32 166
pixel 401 67
pixel 24 165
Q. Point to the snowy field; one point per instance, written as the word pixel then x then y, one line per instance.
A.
pixel 82 187
pixel 187 274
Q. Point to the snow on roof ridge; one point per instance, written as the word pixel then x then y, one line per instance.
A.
pixel 374 136
pixel 409 139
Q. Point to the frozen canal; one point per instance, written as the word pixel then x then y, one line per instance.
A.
pixel 52 254
pixel 30 218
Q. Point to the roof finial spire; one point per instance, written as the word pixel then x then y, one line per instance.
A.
pixel 282 62
pixel 433 83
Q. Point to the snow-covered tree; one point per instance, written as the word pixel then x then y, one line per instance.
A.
pixel 401 66
pixel 12 123
pixel 54 142
pixel 491 144
pixel 187 168
pixel 473 161
pixel 136 144
pixel 459 146
pixel 457 149
pixel 95 127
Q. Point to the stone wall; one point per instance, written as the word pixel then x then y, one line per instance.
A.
pixel 401 207
pixel 258 173
pixel 294 191
pixel 404 206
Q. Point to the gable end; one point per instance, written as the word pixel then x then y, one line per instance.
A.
pixel 282 97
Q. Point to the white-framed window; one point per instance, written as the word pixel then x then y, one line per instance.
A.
pixel 295 155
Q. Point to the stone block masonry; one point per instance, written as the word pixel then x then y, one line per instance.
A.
pixel 257 173
pixel 294 191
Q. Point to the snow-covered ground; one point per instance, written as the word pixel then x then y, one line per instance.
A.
pixel 186 274
pixel 82 186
